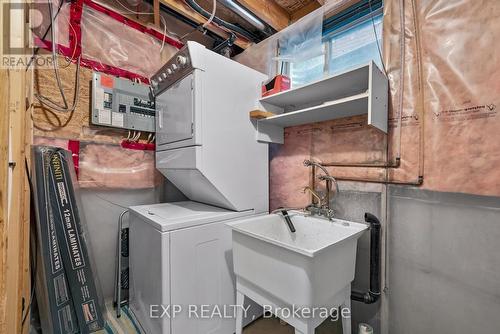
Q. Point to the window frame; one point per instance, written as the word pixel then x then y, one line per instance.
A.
pixel 327 38
pixel 342 26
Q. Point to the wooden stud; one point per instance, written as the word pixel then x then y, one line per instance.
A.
pixel 4 170
pixel 26 221
pixel 156 11
pixel 17 201
pixel 14 190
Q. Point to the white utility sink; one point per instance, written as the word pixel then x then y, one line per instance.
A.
pixel 311 268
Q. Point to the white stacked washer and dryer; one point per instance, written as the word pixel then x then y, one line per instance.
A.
pixel 180 252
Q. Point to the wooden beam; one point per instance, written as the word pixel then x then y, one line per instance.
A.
pixel 156 11
pixel 268 11
pixel 312 6
pixel 340 7
pixel 318 3
pixel 182 8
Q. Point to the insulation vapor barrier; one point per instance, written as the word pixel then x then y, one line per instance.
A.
pixel 443 68
pixel 297 42
pixel 446 69
pixel 105 41
pixel 109 166
pixel 111 42
pixel 40 21
pixel 67 289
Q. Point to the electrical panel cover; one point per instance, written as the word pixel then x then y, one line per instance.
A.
pixel 122 103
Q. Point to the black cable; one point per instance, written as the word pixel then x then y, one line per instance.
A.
pixel 34 255
pixel 44 35
pixel 243 32
pixel 376 37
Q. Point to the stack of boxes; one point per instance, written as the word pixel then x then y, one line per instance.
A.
pixel 67 290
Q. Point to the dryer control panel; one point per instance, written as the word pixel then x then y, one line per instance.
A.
pixel 175 69
pixel 121 103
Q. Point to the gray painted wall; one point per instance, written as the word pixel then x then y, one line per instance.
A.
pixel 352 205
pixel 444 263
pixel 443 268
pixel 443 255
pixel 101 209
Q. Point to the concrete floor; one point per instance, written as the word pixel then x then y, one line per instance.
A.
pixel 273 326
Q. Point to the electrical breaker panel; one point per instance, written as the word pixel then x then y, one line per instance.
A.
pixel 121 103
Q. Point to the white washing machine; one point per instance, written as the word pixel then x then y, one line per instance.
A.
pixel 182 256
pixel 206 145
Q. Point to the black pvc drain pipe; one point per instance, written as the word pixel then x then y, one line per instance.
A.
pixel 373 294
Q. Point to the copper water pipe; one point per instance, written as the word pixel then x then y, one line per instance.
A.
pixel 394 164
pixel 420 90
pixel 397 162
pixel 418 182
pixel 354 179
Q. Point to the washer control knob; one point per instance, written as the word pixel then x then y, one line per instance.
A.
pixel 169 72
pixel 181 60
pixel 164 75
pixel 174 67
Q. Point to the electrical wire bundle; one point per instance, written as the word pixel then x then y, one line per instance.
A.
pixel 46 101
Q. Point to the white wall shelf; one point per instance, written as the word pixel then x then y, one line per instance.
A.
pixel 359 91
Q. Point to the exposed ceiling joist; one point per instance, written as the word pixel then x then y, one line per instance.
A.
pixel 182 8
pixel 269 12
pixel 313 5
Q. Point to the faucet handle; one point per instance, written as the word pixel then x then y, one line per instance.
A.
pixel 329 178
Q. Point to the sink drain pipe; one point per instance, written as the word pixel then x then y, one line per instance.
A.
pixel 373 294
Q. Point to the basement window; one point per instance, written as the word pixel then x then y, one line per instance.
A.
pixel 350 39
pixel 355 46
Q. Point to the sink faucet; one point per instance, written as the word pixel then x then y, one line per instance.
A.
pixel 331 180
pixel 288 220
pixel 314 194
pixel 323 206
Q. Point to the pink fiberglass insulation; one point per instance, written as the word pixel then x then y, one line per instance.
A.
pixel 108 41
pixel 449 92
pixel 110 165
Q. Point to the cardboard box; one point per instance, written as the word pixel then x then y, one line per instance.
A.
pixel 63 246
pixel 57 314
pixel 73 247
